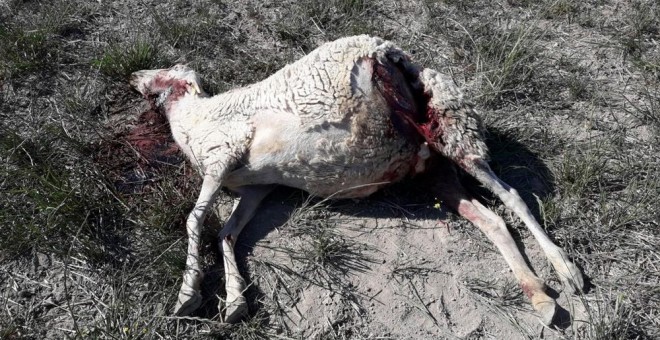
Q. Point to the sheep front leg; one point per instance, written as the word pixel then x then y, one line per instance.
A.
pixel 235 305
pixel 189 298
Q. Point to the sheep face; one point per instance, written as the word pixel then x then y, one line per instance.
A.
pixel 166 86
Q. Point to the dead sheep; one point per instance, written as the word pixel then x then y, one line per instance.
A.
pixel 349 118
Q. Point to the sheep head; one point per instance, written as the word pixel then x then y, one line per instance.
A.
pixel 166 86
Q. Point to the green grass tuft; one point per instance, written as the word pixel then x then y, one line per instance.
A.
pixel 561 9
pixel 504 61
pixel 45 201
pixel 24 51
pixel 119 61
pixel 641 25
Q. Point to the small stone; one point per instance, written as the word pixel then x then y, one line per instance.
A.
pixel 43 260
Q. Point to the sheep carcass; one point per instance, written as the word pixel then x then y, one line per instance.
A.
pixel 352 116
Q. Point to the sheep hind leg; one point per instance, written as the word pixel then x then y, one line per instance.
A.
pixel 234 306
pixel 453 194
pixel 568 272
pixel 189 297
pixel 453 129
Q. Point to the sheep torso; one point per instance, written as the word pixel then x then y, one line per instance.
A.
pixel 318 124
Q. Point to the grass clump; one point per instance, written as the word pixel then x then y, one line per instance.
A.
pixel 608 209
pixel 647 111
pixel 611 319
pixel 46 202
pixel 326 19
pixel 502 295
pixel 508 64
pixel 34 43
pixel 504 60
pixel 323 253
pixel 256 328
pixel 561 9
pixel 23 51
pixel 119 61
pixel 640 28
pixel 580 174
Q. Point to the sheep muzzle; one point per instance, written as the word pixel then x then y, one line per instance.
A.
pixel 141 81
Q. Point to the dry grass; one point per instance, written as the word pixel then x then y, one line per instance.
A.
pixel 570 93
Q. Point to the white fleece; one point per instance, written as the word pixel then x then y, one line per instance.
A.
pixel 317 124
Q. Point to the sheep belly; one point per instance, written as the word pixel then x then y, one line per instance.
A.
pixel 324 162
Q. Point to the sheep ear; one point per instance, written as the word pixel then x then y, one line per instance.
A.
pixel 193 88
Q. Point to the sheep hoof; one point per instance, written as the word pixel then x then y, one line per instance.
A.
pixel 234 310
pixel 187 302
pixel 545 310
pixel 572 278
